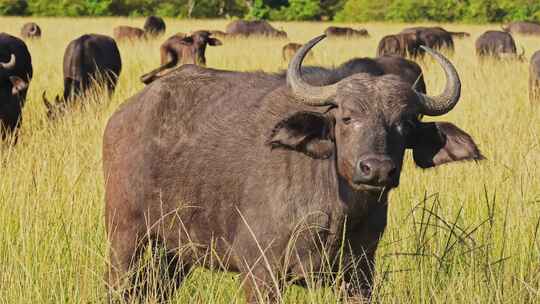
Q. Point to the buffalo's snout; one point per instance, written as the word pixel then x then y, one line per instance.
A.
pixel 376 171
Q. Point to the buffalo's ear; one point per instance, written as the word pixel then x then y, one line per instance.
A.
pixel 437 143
pixel 214 42
pixel 306 132
pixel 18 85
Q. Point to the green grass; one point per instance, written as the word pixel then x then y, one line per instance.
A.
pixel 461 233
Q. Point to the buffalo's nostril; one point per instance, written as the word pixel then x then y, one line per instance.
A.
pixel 376 171
pixel 365 168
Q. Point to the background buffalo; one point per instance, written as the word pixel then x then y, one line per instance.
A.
pixel 497 44
pixel 253 28
pixel 522 27
pixel 87 60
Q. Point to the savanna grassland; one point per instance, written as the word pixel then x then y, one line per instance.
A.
pixel 460 233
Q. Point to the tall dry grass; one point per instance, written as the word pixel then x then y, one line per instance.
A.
pixel 461 233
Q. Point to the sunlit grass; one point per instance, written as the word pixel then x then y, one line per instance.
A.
pixel 462 233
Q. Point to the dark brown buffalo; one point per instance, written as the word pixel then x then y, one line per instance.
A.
pixel 87 59
pixel 404 45
pixel 497 44
pixel 289 49
pixel 523 27
pixel 334 31
pixel 433 37
pixel 180 49
pixel 154 26
pixel 534 78
pixel 270 179
pixel 253 28
pixel 124 32
pixel 31 30
pixel 15 76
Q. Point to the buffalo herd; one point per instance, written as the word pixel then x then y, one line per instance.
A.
pixel 238 164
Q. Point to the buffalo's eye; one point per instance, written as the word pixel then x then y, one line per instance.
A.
pixel 404 127
pixel 346 120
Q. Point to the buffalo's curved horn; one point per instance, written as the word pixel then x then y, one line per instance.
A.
pixel 522 52
pixel 152 75
pixel 10 64
pixel 447 100
pixel 311 95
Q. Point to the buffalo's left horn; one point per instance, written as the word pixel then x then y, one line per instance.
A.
pixel 10 64
pixel 311 95
pixel 447 100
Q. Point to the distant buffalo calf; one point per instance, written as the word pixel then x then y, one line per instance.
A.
pixel 334 31
pixel 497 44
pixel 180 49
pixel 30 30
pixel 534 78
pixel 289 49
pixel 87 59
pixel 522 27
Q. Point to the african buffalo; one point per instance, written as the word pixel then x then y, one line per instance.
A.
pixel 15 76
pixel 534 78
pixel 334 31
pixel 289 49
pixel 154 26
pixel 87 59
pixel 180 49
pixel 124 32
pixel 253 28
pixel 522 27
pixel 30 30
pixel 433 37
pixel 277 180
pixel 497 44
pixel 404 45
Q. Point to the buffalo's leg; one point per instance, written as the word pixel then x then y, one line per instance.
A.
pixel 260 287
pixel 126 246
pixel 364 238
pixel 173 276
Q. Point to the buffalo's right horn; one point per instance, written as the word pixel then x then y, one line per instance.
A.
pixel 10 64
pixel 447 100
pixel 311 95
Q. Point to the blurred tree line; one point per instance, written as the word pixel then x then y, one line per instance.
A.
pixel 476 11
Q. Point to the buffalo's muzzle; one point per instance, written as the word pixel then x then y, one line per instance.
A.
pixel 376 171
